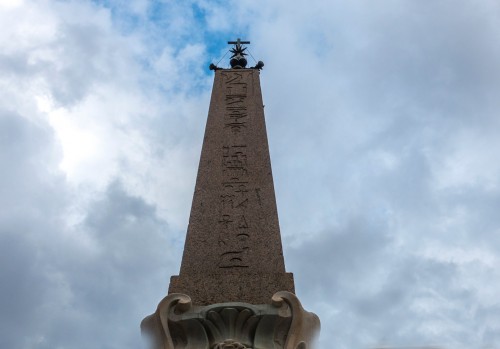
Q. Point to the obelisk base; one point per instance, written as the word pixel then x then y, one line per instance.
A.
pixel 254 288
pixel 283 324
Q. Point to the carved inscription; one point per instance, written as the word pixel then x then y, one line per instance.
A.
pixel 234 161
pixel 234 227
pixel 235 113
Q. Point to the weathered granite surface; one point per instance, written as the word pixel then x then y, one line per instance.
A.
pixel 233 250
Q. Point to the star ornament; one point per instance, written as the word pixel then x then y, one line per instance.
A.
pixel 238 51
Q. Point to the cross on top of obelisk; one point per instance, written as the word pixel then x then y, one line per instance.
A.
pixel 237 46
pixel 238 42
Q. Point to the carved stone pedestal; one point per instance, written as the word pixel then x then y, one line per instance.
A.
pixel 283 324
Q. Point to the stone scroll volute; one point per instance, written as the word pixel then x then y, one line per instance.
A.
pixel 283 324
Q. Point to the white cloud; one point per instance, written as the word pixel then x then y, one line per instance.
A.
pixel 382 121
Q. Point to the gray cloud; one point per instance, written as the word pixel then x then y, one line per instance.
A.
pixel 382 121
pixel 61 281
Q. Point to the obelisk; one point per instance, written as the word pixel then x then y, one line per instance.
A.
pixel 233 261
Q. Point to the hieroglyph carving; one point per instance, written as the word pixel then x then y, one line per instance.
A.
pixel 236 92
pixel 234 233
pixel 284 324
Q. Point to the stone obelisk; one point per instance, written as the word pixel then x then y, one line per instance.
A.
pixel 232 290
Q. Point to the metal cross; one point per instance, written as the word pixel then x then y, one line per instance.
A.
pixel 238 42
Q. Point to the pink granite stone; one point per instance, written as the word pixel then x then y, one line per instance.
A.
pixel 233 250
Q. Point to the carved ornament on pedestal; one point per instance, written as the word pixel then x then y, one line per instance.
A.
pixel 283 324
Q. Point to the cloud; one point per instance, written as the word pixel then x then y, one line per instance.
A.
pixel 382 122
pixel 62 279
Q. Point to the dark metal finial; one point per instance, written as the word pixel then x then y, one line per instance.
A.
pixel 238 60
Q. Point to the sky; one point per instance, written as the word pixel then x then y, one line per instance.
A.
pixel 383 123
